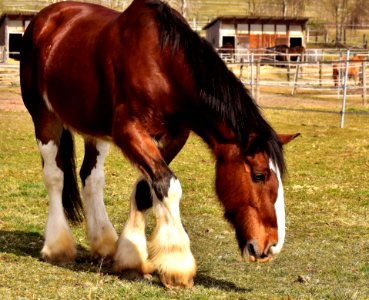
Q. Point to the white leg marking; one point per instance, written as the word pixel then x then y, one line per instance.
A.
pixel 169 248
pixel 100 231
pixel 131 251
pixel 280 211
pixel 59 244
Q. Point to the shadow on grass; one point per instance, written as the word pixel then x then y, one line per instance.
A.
pixel 211 282
pixel 22 243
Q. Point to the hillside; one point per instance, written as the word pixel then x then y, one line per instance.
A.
pixel 198 12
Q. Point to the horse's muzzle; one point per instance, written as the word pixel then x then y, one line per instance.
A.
pixel 255 253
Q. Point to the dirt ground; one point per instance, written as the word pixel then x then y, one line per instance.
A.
pixel 11 100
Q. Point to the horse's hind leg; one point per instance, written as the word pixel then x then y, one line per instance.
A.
pixel 56 148
pixel 100 231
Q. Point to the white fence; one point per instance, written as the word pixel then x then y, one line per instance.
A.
pixel 309 73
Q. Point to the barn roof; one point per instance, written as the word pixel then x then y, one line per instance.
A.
pixel 257 20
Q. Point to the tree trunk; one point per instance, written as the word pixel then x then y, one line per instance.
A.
pixel 184 8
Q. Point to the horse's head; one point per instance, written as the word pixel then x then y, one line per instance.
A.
pixel 250 187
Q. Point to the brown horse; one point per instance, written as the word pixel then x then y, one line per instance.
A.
pixel 142 79
pixel 284 53
pixel 354 70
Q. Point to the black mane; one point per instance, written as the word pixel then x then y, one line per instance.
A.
pixel 220 90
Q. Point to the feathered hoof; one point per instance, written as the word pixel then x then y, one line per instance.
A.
pixel 177 280
pixel 60 249
pixel 142 269
pixel 58 255
pixel 104 248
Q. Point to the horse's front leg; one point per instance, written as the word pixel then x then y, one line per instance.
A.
pixel 169 249
pixel 101 233
pixel 131 255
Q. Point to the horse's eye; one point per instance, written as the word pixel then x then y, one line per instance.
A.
pixel 259 177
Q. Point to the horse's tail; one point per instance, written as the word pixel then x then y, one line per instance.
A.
pixel 72 202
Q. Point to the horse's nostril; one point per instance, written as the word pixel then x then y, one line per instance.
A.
pixel 252 249
pixel 269 250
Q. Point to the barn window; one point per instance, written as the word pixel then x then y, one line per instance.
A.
pixel 243 28
pixel 268 28
pixel 295 30
pixel 256 29
pixel 281 29
pixel 26 23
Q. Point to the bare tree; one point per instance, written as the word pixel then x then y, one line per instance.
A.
pixel 293 7
pixel 297 7
pixel 359 12
pixel 184 8
pixel 338 8
pixel 251 6
pixel 284 8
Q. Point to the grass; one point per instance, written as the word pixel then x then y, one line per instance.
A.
pixel 326 254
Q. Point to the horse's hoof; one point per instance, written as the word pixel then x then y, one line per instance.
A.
pixel 58 257
pixel 175 281
pixel 104 245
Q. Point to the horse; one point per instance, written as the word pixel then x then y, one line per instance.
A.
pixel 143 80
pixel 283 52
pixel 354 70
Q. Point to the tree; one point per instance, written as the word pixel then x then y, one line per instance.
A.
pixel 359 13
pixel 184 8
pixel 338 8
pixel 293 7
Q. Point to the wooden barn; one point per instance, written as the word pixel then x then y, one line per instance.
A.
pixel 241 32
pixel 12 27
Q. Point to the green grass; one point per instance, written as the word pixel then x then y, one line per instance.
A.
pixel 326 254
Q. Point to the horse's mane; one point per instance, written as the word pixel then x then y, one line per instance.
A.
pixel 220 90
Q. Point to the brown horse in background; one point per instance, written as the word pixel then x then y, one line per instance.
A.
pixel 285 53
pixel 354 70
pixel 143 80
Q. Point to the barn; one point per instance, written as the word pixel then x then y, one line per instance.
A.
pixel 240 32
pixel 12 27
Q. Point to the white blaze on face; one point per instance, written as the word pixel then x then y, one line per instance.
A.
pixel 280 211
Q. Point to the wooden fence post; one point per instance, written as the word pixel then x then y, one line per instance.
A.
pixel 252 75
pixel 345 90
pixel 363 76
pixel 296 76
pixel 257 85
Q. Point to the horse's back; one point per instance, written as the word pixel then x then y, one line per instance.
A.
pixel 85 62
pixel 80 22
pixel 59 62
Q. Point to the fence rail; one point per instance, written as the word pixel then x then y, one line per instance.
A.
pixel 327 73
pixel 310 73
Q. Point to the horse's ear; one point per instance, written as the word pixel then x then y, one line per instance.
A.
pixel 286 138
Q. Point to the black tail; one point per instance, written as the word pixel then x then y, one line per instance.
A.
pixel 72 202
